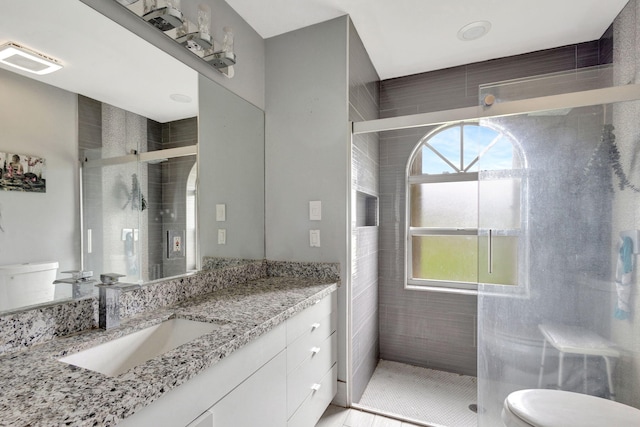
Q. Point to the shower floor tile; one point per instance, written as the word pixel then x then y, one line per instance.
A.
pixel 421 395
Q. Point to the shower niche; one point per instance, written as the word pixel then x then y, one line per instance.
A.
pixel 366 210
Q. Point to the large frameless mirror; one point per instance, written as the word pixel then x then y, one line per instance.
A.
pixel 119 129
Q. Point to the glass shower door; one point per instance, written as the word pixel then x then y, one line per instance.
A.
pixel 554 225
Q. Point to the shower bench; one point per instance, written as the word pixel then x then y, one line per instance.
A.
pixel 576 340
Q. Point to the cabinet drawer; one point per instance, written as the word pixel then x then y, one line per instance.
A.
pixel 300 381
pixel 315 404
pixel 304 321
pixel 305 345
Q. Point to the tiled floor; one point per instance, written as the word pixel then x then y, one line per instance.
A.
pixel 421 395
pixel 336 416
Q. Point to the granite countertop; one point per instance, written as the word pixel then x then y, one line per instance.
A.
pixel 38 390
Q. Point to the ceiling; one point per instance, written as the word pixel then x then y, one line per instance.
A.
pixel 406 37
pixel 402 37
pixel 122 69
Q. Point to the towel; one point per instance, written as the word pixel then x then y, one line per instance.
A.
pixel 624 268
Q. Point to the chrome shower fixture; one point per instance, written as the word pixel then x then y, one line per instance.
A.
pixel 126 2
pixel 165 15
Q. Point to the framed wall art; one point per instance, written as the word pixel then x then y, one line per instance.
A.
pixel 21 172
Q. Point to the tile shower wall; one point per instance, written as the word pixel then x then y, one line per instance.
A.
pixel 438 330
pixel 363 105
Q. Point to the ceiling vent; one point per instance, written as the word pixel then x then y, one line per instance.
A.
pixel 25 59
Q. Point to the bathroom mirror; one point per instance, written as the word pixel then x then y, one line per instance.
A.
pixel 108 65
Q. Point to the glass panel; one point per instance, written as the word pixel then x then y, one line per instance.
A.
pixel 476 140
pixel 430 163
pixel 500 201
pixel 450 258
pixel 445 204
pixel 550 84
pixel 447 143
pixel 504 260
pixel 574 217
pixel 113 201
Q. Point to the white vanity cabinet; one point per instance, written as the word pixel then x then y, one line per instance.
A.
pixel 311 360
pixel 285 378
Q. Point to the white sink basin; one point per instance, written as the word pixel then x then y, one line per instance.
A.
pixel 115 357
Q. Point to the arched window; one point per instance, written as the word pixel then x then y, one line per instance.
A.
pixel 463 208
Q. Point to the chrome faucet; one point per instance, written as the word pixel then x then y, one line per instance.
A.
pixel 109 299
pixel 78 280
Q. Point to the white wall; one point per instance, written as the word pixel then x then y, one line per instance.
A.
pixel 307 149
pixel 40 120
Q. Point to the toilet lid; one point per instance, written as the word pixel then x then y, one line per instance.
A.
pixel 555 408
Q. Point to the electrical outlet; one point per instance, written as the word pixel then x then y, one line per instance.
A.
pixel 177 244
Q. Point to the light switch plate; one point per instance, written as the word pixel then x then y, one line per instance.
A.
pixel 314 238
pixel 222 236
pixel 315 210
pixel 221 212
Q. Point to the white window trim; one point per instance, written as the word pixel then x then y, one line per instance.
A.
pixel 467 288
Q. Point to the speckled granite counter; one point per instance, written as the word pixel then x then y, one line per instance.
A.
pixel 38 390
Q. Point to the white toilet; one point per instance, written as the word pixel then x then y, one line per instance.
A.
pixel 27 284
pixel 555 408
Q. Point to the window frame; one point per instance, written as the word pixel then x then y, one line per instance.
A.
pixel 461 175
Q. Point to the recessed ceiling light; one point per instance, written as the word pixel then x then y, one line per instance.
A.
pixel 25 59
pixel 474 30
pixel 179 97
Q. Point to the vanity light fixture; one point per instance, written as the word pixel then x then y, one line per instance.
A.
pixel 25 59
pixel 166 16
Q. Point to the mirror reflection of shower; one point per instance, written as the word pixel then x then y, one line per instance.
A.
pixel 138 219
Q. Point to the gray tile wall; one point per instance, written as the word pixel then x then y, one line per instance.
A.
pixel 154 203
pixel 175 173
pixel 438 330
pixel 363 105
pixel 458 86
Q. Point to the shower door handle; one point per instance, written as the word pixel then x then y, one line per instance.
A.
pixel 490 252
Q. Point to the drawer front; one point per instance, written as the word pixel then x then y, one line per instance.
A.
pixel 302 381
pixel 315 404
pixel 309 342
pixel 302 322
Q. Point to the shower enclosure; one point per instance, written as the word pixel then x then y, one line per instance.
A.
pixel 555 228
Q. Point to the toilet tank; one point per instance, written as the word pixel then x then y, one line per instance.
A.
pixel 27 284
